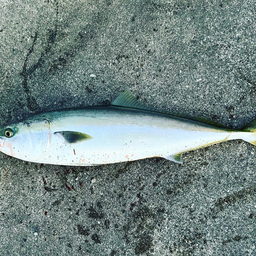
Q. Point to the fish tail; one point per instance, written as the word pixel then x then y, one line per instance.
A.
pixel 248 132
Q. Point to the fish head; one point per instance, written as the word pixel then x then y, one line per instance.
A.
pixel 27 140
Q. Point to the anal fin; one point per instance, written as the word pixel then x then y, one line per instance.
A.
pixel 177 158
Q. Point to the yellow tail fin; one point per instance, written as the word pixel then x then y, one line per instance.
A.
pixel 250 129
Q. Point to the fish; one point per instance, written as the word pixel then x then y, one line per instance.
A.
pixel 125 130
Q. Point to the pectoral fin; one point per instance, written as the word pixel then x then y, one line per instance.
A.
pixel 73 137
pixel 175 158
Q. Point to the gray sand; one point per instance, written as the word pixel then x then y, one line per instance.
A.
pixel 189 57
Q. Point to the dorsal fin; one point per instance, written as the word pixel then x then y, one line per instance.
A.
pixel 126 99
pixel 202 120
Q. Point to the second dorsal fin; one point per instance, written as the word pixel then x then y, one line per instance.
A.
pixel 126 99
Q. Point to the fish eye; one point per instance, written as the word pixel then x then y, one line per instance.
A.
pixel 8 133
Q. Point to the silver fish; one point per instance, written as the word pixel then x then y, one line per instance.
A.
pixel 123 131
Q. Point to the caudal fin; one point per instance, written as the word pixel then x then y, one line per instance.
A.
pixel 249 132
